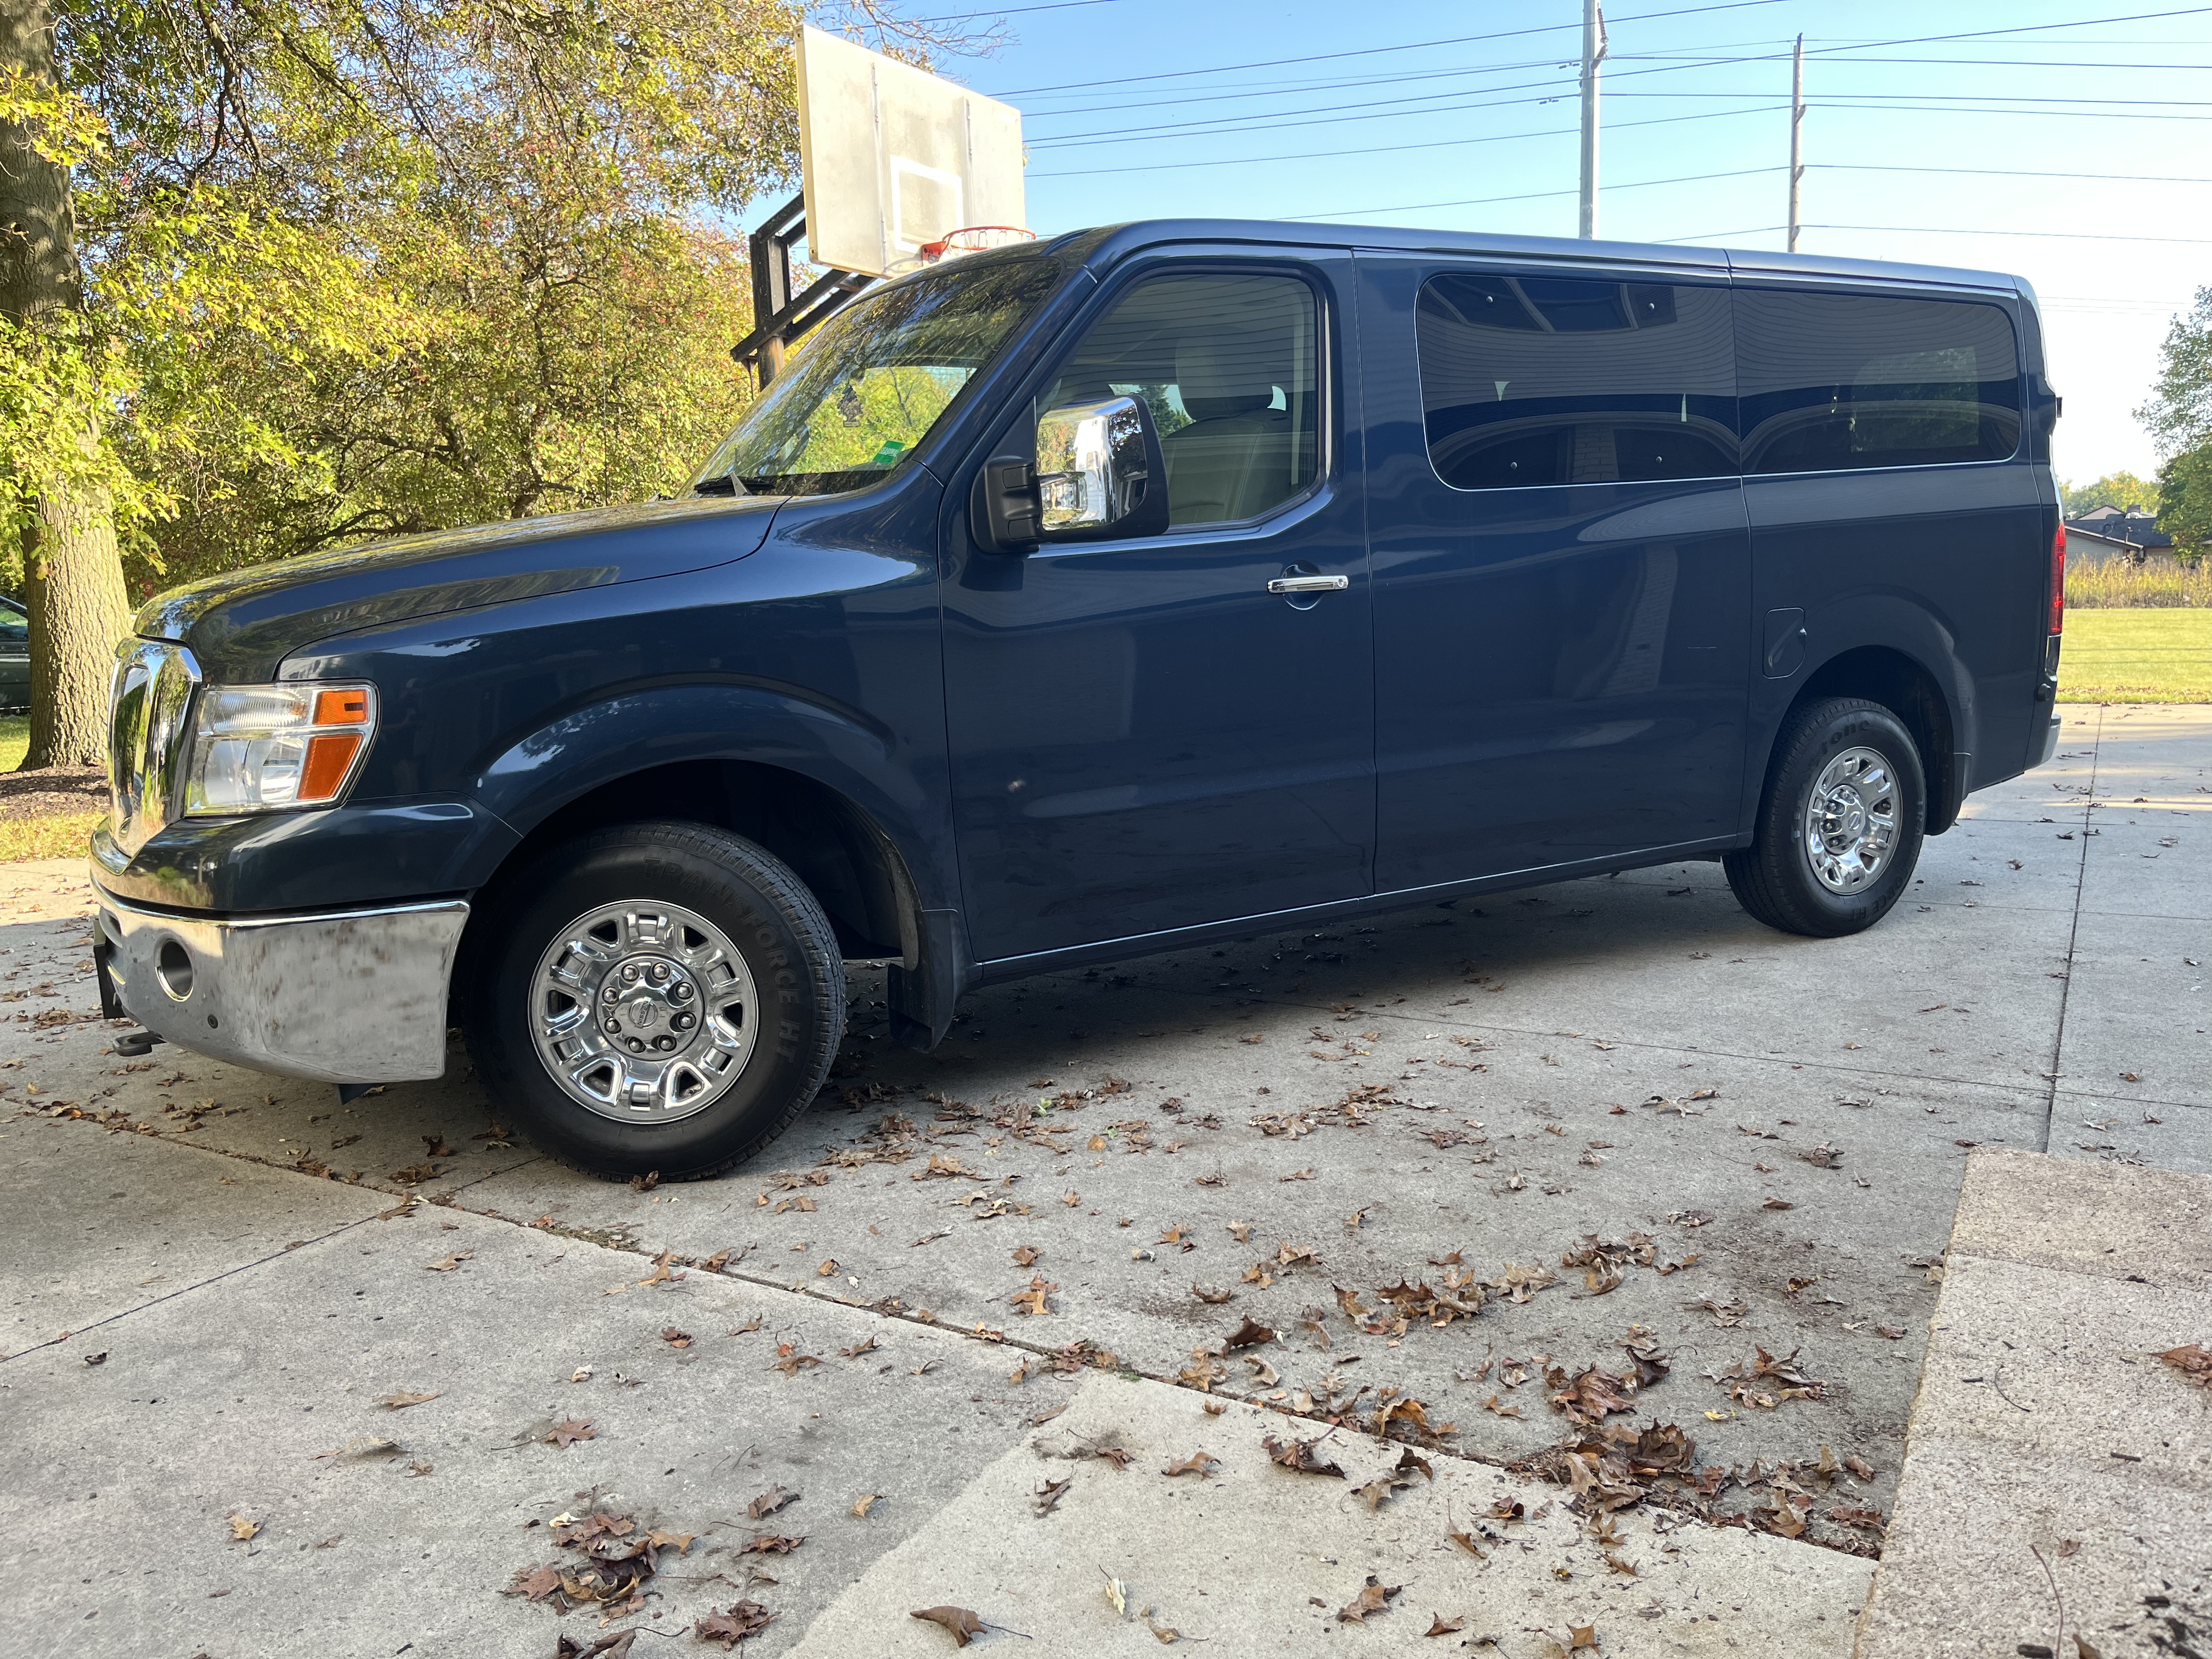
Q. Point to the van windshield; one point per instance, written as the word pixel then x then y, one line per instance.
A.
pixel 856 400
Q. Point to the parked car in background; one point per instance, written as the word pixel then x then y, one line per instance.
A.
pixel 1134 590
pixel 15 655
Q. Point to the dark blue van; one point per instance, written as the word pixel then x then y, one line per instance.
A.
pixel 1110 594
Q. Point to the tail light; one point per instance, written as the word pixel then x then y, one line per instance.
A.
pixel 2058 579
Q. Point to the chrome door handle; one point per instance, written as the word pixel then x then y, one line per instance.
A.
pixel 1308 584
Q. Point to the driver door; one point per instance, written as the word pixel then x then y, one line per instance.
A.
pixel 1143 736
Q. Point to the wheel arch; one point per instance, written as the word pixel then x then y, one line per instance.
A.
pixel 822 788
pixel 1908 689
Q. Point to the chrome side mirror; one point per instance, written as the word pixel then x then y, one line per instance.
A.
pixel 1100 469
pixel 1099 472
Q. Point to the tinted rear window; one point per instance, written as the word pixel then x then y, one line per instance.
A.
pixel 1837 381
pixel 1568 380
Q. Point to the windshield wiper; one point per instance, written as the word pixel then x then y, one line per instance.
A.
pixel 726 485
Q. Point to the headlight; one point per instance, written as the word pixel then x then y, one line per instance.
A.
pixel 272 748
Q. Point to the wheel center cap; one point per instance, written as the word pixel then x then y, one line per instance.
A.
pixel 644 1012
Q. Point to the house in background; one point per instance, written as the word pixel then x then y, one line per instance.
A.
pixel 2115 533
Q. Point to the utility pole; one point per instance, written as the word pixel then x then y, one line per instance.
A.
pixel 1593 55
pixel 1796 134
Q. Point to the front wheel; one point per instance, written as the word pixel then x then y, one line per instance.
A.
pixel 659 998
pixel 1840 824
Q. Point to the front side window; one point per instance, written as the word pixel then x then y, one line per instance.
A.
pixel 1226 362
pixel 857 399
pixel 1531 380
pixel 1837 381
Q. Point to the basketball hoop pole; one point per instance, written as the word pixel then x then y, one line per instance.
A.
pixel 778 317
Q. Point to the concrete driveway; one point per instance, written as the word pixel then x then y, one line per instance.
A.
pixel 1616 1122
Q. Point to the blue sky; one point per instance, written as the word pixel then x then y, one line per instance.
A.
pixel 1141 108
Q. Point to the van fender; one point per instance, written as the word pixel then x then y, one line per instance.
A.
pixel 1890 622
pixel 899 792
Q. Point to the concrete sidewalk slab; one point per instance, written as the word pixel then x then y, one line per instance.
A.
pixel 2059 1475
pixel 2150 1225
pixel 95 1224
pixel 1259 1559
pixel 233 1399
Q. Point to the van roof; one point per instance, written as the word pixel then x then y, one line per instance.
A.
pixel 1110 245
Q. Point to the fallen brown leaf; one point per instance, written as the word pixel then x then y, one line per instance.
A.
pixel 2193 1362
pixel 1444 1627
pixel 965 1626
pixel 569 1431
pixel 769 1543
pixel 865 1501
pixel 1374 1597
pixel 769 1502
pixel 1299 1454
pixel 1198 1463
pixel 674 1338
pixel 1250 1334
pixel 732 1624
pixel 402 1401
pixel 242 1528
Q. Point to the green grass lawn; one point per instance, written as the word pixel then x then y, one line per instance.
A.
pixel 2163 655
pixel 60 836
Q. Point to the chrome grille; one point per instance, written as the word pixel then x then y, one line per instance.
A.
pixel 148 703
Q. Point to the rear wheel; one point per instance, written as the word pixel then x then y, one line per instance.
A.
pixel 1840 824
pixel 661 998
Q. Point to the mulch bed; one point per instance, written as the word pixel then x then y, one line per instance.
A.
pixel 52 791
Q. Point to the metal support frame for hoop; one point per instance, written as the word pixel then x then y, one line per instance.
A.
pixel 779 317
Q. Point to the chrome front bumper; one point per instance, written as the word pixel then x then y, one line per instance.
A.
pixel 349 996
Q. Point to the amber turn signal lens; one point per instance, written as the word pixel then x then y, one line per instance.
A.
pixel 341 709
pixel 329 758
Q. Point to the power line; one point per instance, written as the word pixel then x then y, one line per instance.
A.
pixel 1010 11
pixel 1531 195
pixel 1716 235
pixel 1290 88
pixel 1380 150
pixel 2012 173
pixel 1554 28
pixel 1850 100
pixel 2041 114
pixel 1747 172
pixel 1371 51
pixel 2055 235
pixel 1276 120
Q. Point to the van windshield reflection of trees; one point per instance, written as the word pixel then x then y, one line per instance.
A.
pixel 859 397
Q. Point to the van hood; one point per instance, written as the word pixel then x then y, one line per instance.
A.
pixel 242 624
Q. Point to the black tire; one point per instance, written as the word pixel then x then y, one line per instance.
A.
pixel 1774 877
pixel 790 952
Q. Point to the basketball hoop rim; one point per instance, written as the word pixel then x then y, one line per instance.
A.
pixel 932 251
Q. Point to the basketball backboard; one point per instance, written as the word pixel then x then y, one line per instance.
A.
pixel 895 157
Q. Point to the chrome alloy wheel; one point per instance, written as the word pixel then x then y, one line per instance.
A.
pixel 1850 820
pixel 643 1012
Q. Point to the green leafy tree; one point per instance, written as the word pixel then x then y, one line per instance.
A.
pixel 2180 416
pixel 2113 489
pixel 283 275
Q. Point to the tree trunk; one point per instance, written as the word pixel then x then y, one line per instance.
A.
pixel 73 588
pixel 73 584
